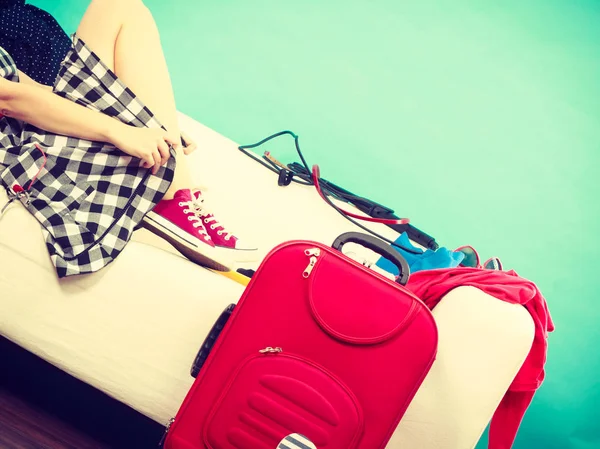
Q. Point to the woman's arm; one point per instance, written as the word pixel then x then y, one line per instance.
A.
pixel 188 148
pixel 50 112
pixel 55 114
pixel 24 78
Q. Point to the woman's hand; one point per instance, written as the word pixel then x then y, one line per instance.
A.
pixel 151 145
pixel 183 142
pixel 50 112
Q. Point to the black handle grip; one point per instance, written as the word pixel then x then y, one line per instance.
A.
pixel 380 247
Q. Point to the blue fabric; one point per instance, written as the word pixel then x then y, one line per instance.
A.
pixel 425 260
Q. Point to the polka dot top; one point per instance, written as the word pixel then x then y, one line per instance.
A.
pixel 34 39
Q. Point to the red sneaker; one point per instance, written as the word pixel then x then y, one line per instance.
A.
pixel 178 222
pixel 220 236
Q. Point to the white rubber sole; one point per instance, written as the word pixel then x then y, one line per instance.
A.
pixel 194 249
pixel 240 255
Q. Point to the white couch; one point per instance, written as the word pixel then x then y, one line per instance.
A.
pixel 133 329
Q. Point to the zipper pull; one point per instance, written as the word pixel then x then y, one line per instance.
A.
pixel 270 350
pixel 313 253
pixel 164 437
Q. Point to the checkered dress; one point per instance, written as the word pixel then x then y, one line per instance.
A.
pixel 88 196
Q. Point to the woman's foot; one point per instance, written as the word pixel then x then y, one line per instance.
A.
pixel 179 222
pixel 241 252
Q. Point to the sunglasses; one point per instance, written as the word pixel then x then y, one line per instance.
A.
pixel 472 259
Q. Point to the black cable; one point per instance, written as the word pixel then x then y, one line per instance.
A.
pixel 305 175
pixel 397 245
pixel 365 205
pixel 341 193
pixel 270 165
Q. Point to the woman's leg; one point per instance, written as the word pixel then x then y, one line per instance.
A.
pixel 124 35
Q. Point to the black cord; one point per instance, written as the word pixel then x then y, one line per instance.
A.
pixel 270 165
pixel 304 174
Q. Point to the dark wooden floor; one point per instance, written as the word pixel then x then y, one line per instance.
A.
pixel 42 407
pixel 25 426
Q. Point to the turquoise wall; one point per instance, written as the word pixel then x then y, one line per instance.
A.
pixel 478 120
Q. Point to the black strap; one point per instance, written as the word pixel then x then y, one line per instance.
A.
pixel 301 174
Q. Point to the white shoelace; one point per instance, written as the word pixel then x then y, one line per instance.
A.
pixel 201 211
pixel 195 216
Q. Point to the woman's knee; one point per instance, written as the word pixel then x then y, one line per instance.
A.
pixel 133 10
pixel 115 7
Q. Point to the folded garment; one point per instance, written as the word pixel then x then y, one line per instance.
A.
pixel 425 260
pixel 432 285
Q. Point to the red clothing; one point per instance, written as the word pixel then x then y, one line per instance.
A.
pixel 432 285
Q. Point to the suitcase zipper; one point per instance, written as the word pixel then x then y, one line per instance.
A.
pixel 164 437
pixel 270 350
pixel 313 253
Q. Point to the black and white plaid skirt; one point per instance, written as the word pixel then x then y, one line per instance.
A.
pixel 88 196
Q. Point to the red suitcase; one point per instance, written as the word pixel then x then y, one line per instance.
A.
pixel 319 346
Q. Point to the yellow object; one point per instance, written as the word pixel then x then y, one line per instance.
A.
pixel 235 276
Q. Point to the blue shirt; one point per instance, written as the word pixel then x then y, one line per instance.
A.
pixel 425 260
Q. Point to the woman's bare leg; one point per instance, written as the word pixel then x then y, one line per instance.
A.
pixel 124 35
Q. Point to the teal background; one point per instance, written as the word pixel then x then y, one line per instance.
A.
pixel 478 120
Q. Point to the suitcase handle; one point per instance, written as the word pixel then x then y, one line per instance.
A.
pixel 381 248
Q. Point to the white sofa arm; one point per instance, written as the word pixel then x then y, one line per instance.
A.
pixel 482 344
